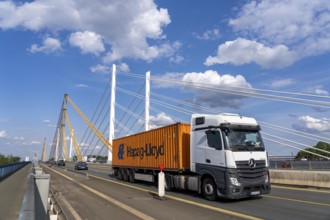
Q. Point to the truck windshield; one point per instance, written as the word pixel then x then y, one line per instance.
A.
pixel 244 140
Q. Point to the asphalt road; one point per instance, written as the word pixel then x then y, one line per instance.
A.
pixel 282 203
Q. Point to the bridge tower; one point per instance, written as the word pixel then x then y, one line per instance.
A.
pixel 43 155
pixel 112 110
pixel 147 102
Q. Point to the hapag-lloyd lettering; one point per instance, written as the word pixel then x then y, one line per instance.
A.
pixel 147 151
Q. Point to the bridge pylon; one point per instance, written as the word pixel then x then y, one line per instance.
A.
pixel 43 155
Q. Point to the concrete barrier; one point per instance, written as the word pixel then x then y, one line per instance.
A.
pixel 307 178
pixel 35 203
pixel 41 195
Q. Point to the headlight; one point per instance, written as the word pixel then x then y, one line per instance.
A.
pixel 266 179
pixel 234 181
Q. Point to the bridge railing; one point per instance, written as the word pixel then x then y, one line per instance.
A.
pixel 7 169
pixel 300 165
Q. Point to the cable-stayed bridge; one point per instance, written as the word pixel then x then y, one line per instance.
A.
pixel 141 107
pixel 143 102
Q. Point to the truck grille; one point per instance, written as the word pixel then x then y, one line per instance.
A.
pixel 249 174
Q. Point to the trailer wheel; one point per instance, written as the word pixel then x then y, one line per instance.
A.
pixel 120 174
pixel 168 182
pixel 125 175
pixel 209 189
pixel 131 176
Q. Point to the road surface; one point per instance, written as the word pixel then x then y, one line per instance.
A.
pixel 96 195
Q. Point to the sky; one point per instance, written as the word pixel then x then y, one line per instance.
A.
pixel 49 48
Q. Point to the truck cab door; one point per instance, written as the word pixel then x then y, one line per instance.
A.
pixel 214 150
pixel 198 151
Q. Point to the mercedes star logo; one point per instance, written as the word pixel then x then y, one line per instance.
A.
pixel 252 163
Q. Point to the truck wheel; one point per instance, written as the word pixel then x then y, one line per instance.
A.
pixel 131 177
pixel 209 189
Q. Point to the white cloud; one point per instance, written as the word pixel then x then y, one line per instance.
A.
pixel 243 51
pixel 166 80
pixel 209 35
pixel 39 14
pixel 98 147
pixel 101 69
pixel 319 90
pixel 50 45
pixel 176 59
pixel 282 83
pixel 81 85
pixel 148 54
pixel 3 134
pixel 49 124
pixel 160 120
pixel 88 42
pixel 123 67
pixel 302 25
pixel 196 82
pixel 104 69
pixel 19 138
pixel 308 123
pixel 84 145
pixel 213 80
pixel 125 26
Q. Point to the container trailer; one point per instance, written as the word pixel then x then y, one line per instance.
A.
pixel 216 155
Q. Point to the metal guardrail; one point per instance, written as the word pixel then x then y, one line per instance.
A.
pixel 7 169
pixel 300 165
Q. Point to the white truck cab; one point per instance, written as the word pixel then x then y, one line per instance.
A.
pixel 228 154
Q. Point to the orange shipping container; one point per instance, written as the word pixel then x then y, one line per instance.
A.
pixel 168 146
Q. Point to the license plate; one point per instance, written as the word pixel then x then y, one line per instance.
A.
pixel 255 193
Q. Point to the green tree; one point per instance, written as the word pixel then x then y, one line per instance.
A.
pixel 2 159
pixel 319 145
pixel 9 159
pixel 74 158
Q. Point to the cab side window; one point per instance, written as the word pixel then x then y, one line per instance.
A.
pixel 214 139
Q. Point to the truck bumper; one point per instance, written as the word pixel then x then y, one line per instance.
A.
pixel 245 190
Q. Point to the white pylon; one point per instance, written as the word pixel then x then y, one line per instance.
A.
pixel 71 142
pixel 57 144
pixel 147 102
pixel 112 110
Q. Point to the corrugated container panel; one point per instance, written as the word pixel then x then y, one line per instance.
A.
pixel 168 146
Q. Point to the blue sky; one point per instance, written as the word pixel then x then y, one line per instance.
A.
pixel 51 47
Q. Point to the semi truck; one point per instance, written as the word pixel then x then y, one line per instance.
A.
pixel 215 155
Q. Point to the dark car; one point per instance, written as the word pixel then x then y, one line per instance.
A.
pixel 81 166
pixel 60 163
